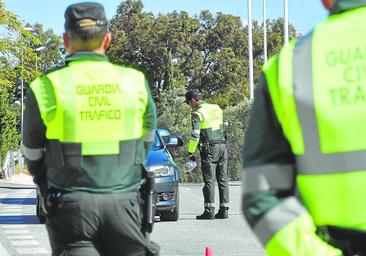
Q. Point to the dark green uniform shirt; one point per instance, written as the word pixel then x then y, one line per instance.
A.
pixel 103 173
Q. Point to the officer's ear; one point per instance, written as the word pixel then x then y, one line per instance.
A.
pixel 107 41
pixel 67 42
pixel 328 3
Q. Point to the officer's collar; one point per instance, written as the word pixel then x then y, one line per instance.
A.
pixel 345 5
pixel 86 56
pixel 199 105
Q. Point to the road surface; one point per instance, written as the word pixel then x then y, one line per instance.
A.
pixel 21 234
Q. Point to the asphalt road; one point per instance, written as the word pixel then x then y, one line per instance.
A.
pixel 21 234
pixel 188 236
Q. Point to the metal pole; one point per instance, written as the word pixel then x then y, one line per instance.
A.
pixel 286 21
pixel 22 94
pixel 264 31
pixel 39 49
pixel 250 49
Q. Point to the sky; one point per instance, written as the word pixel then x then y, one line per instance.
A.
pixel 303 14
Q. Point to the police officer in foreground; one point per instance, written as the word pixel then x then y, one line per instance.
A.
pixel 305 150
pixel 208 133
pixel 87 129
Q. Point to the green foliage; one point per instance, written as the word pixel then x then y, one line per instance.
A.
pixel 176 51
pixel 208 52
pixel 179 51
pixel 19 62
pixel 9 120
pixel 237 116
pixel 9 135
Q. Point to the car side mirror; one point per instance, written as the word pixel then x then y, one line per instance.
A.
pixel 174 141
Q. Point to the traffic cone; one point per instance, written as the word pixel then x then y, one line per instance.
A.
pixel 208 251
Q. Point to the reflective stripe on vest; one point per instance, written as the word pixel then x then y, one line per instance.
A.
pixel 326 84
pixel 268 177
pixel 313 161
pixel 277 218
pixel 94 108
pixel 210 116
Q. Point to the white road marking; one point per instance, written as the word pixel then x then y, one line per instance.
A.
pixel 24 242
pixel 11 214
pixel 13 232
pixel 20 237
pixel 3 251
pixel 11 210
pixel 24 191
pixel 12 207
pixel 13 226
pixel 28 251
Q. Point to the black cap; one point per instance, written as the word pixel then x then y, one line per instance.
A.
pixel 192 94
pixel 86 10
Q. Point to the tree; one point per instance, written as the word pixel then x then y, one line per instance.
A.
pixel 52 54
pixel 9 136
pixel 178 51
pixel 208 52
pixel 19 61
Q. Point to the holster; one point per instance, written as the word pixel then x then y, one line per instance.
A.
pixel 351 242
pixel 205 147
pixel 48 199
pixel 148 201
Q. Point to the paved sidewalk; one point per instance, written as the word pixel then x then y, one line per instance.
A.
pixel 21 180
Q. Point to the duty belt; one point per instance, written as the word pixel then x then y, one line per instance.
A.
pixel 352 242
pixel 212 142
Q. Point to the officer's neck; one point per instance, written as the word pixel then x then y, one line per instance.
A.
pixel 97 51
pixel 198 104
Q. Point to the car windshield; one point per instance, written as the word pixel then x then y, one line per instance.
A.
pixel 157 141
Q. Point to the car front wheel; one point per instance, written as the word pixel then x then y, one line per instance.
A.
pixel 172 215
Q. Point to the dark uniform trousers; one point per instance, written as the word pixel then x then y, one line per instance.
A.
pixel 214 165
pixel 92 224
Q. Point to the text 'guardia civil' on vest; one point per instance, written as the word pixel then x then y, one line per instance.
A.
pixel 98 89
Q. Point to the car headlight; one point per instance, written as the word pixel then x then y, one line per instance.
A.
pixel 162 171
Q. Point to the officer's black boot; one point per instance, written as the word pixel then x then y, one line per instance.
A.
pixel 222 213
pixel 208 214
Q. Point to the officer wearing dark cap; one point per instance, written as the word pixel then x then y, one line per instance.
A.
pixel 208 132
pixel 87 129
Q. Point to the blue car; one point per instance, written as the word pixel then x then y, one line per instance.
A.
pixel 160 161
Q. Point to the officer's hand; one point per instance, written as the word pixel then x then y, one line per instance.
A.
pixel 191 157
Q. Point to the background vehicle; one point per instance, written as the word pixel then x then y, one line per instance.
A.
pixel 161 162
pixel 166 172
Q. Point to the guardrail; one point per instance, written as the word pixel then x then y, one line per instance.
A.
pixel 14 160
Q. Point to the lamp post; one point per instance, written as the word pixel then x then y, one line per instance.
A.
pixel 250 50
pixel 285 23
pixel 39 49
pixel 264 32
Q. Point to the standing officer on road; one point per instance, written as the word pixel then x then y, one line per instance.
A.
pixel 306 139
pixel 88 127
pixel 208 130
